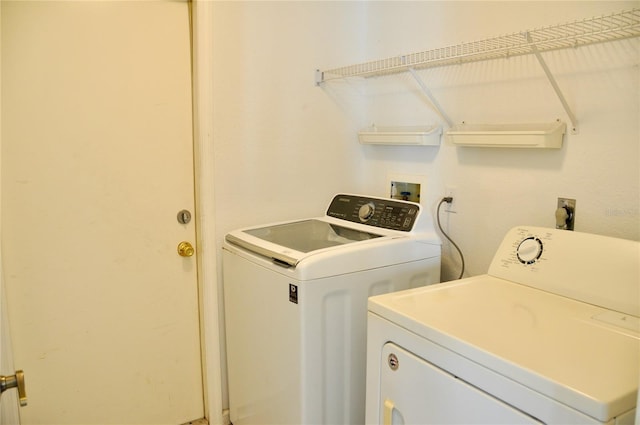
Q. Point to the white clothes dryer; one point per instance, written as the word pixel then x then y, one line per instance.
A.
pixel 295 298
pixel 550 335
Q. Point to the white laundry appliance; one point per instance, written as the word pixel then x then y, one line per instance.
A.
pixel 549 335
pixel 295 298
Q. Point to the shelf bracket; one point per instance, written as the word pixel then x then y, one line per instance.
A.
pixel 554 84
pixel 432 99
pixel 319 77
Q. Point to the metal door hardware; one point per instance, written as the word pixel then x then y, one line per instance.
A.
pixel 15 381
pixel 185 249
pixel 393 361
pixel 184 216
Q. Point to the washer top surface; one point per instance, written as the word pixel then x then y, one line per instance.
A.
pixel 364 231
pixel 310 235
pixel 583 355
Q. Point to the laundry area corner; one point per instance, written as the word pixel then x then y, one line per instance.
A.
pixel 362 180
pixel 440 127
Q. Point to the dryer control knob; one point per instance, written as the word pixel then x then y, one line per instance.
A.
pixel 529 250
pixel 366 212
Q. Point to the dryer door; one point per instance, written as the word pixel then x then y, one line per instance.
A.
pixel 414 391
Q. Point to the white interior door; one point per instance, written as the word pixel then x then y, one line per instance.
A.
pixel 96 163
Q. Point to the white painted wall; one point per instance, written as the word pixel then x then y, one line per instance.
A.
pixel 283 146
pixel 497 189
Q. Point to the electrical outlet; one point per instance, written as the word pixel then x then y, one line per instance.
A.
pixel 452 207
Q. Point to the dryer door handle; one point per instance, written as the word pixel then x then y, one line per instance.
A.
pixel 387 415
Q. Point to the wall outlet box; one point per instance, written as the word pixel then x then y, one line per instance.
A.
pixel 406 187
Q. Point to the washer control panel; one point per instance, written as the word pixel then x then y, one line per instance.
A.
pixel 378 212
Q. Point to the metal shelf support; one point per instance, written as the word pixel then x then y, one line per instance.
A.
pixel 554 84
pixel 432 99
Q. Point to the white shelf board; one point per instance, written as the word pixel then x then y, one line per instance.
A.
pixel 410 135
pixel 536 135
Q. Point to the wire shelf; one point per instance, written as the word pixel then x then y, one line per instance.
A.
pixel 616 26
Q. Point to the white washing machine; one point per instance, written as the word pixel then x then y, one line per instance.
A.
pixel 549 335
pixel 295 298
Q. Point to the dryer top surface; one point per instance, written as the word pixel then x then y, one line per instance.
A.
pixel 579 354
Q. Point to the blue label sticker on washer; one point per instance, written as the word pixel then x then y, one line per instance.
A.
pixel 293 293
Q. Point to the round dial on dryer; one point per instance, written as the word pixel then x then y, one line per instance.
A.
pixel 529 250
pixel 366 211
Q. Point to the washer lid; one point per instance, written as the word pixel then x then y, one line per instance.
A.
pixel 554 345
pixel 289 242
